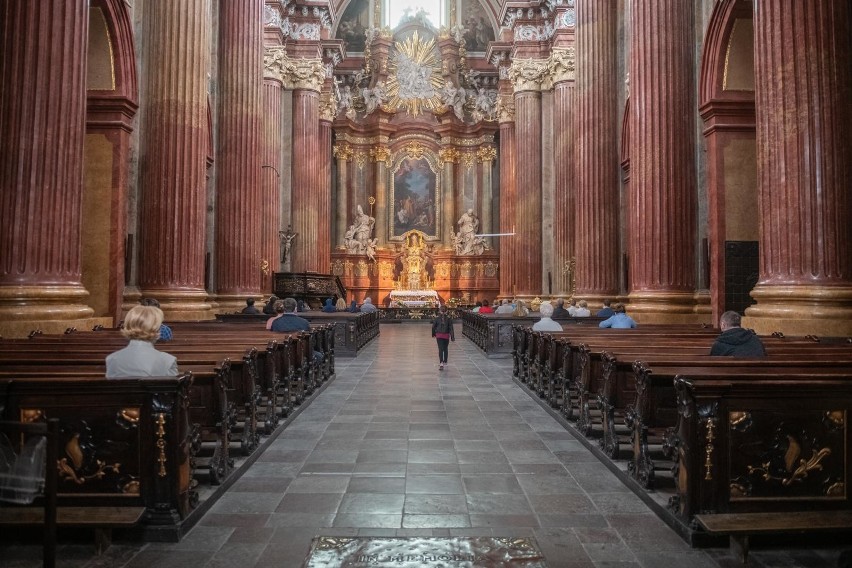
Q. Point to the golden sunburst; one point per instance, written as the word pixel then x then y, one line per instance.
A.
pixel 415 81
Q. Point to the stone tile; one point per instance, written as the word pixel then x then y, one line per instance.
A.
pixel 491 484
pixel 314 503
pixel 435 504
pixel 509 523
pixel 435 521
pixel 434 484
pixel 246 503
pixel 372 503
pixel 485 503
pixel 319 484
pixel 548 484
pixel 364 520
pixel 427 468
pixel 555 504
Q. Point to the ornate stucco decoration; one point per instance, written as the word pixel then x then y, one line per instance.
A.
pixel 562 65
pixel 361 159
pixel 381 154
pixel 294 73
pixel 529 74
pixel 505 109
pixel 415 80
pixel 486 154
pixel 448 155
pixel 531 32
pixel 328 105
pixel 272 18
pixel 343 152
pixel 468 159
pixel 415 150
pixel 309 31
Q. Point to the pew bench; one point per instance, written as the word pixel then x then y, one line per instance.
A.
pixel 739 527
pixel 102 519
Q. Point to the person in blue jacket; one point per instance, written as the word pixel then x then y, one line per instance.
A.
pixel 619 319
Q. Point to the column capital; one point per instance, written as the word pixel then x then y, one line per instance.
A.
pixel 343 152
pixel 486 154
pixel 529 74
pixel 505 109
pixel 381 154
pixel 562 65
pixel 448 155
pixel 306 73
pixel 328 105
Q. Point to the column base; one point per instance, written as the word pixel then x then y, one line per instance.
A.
pixel 234 303
pixel 182 305
pixel 52 309
pixel 669 307
pixel 823 311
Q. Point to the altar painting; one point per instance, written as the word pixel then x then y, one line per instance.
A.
pixel 478 29
pixel 415 198
pixel 353 25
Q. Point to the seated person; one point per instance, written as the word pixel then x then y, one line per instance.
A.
pixel 269 308
pixel 353 307
pixel 329 307
pixel 546 323
pixel 734 340
pixel 289 321
pixel 520 309
pixel 619 319
pixel 139 358
pixel 341 305
pixel 559 312
pixel 572 307
pixel 582 310
pixel 250 309
pixel 486 308
pixel 505 307
pixel 165 331
pixel 477 307
pixel 279 311
pixel 606 312
pixel 368 306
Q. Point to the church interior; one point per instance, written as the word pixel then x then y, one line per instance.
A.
pixel 684 158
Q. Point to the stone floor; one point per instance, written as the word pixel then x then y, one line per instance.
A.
pixel 395 447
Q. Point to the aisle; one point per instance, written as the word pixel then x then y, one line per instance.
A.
pixel 395 447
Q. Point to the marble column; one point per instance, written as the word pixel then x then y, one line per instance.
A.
pixel 307 198
pixel 528 246
pixel 595 210
pixel 382 157
pixel 238 156
pixel 173 168
pixel 661 210
pixel 508 199
pixel 43 118
pixel 486 157
pixel 270 200
pixel 343 153
pixel 448 201
pixel 804 149
pixel 323 198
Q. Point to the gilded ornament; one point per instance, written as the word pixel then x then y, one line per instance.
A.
pixel 709 448
pixel 836 490
pixel 415 82
pixel 343 152
pixel 361 159
pixel 836 418
pixel 29 415
pixel 415 150
pixel 738 417
pixel 468 159
pixel 161 443
pixel 450 155
pixel 381 154
pixel 486 154
pixel 130 415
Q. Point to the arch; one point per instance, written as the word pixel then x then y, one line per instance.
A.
pixel 111 104
pixel 726 104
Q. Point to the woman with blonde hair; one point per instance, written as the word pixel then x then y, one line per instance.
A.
pixel 520 310
pixel 139 358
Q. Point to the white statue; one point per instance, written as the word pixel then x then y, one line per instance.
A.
pixel 374 97
pixel 454 97
pixel 466 241
pixel 358 238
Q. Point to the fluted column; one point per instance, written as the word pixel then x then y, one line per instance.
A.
pixel 270 200
pixel 527 76
pixel 448 201
pixel 804 164
pixel 238 175
pixel 508 199
pixel 595 213
pixel 306 168
pixel 486 157
pixel 343 153
pixel 173 173
pixel 382 156
pixel 662 187
pixel 323 197
pixel 42 128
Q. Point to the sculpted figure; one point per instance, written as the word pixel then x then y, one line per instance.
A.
pixel 358 238
pixel 466 241
pixel 286 242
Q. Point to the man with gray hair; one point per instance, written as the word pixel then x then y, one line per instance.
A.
pixel 546 323
pixel 734 340
pixel 289 321
pixel 505 307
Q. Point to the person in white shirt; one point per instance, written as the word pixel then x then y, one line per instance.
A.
pixel 582 310
pixel 505 307
pixel 572 307
pixel 546 323
pixel 140 358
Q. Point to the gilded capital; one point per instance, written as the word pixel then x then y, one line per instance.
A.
pixel 294 73
pixel 529 74
pixel 448 155
pixel 562 65
pixel 342 152
pixel 381 154
pixel 486 154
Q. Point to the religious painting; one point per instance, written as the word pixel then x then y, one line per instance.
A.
pixel 353 25
pixel 478 29
pixel 414 197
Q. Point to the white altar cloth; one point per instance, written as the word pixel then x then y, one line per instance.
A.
pixel 414 298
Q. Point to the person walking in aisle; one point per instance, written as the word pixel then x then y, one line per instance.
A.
pixel 442 331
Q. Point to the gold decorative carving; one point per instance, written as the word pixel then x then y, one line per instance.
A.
pixel 443 269
pixel 486 154
pixel 562 65
pixel 130 415
pixel 836 417
pixel 836 490
pixel 361 159
pixel 491 269
pixel 337 268
pixel 131 487
pixel 264 267
pixel 738 490
pixel 294 73
pixel 381 154
pixel 342 152
pixel 29 415
pixel 70 466
pixel 385 269
pixel 468 159
pixel 362 268
pixel 710 424
pixel 448 155
pixel 737 417
pixel 529 74
pixel 161 443
pixel 415 80
pixel 415 150
pixel 798 467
